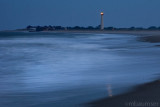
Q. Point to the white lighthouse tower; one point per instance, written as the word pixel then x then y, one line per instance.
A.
pixel 102 23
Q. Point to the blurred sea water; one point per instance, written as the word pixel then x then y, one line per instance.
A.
pixel 70 69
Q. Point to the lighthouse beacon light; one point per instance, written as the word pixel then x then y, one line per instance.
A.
pixel 102 13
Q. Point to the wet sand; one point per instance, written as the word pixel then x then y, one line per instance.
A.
pixel 146 95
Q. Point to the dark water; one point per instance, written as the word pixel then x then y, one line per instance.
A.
pixel 65 70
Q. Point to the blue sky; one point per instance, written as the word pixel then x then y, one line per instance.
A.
pixel 118 13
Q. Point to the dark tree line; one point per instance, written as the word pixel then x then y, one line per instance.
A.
pixel 52 28
pixel 44 28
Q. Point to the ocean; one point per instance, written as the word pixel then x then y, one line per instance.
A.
pixel 71 69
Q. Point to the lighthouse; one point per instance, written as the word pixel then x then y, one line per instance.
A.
pixel 102 23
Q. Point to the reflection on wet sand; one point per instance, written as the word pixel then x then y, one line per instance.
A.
pixel 109 89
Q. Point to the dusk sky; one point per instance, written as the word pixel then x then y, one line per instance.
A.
pixel 118 13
